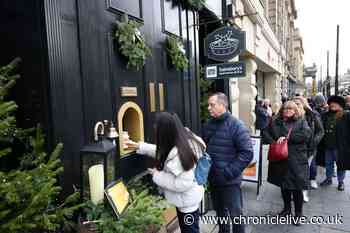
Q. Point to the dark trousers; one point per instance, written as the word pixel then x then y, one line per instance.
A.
pixel 227 201
pixel 297 198
pixel 313 169
pixel 188 222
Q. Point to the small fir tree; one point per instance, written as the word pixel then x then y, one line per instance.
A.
pixel 29 194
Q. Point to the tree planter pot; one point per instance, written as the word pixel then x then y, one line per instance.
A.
pixel 171 224
pixel 152 229
pixel 170 228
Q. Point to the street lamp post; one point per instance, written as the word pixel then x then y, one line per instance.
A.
pixel 328 78
pixel 336 64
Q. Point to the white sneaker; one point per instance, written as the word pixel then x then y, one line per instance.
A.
pixel 313 184
pixel 305 196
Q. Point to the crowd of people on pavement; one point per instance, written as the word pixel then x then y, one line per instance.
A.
pixel 316 130
pixel 320 136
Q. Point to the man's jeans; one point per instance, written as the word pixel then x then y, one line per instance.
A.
pixel 227 201
pixel 330 158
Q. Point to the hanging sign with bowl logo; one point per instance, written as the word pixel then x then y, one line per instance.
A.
pixel 224 44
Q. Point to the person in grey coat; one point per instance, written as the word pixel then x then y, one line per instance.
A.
pixel 314 121
pixel 291 175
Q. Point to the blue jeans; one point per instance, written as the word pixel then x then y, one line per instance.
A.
pixel 313 169
pixel 330 158
pixel 188 222
pixel 228 202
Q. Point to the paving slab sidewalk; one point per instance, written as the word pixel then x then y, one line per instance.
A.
pixel 325 201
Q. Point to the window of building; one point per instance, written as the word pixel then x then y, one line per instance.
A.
pixel 230 8
pixel 215 6
pixel 130 7
pixel 260 84
pixel 170 17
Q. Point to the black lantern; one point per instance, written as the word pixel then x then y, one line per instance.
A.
pixel 102 151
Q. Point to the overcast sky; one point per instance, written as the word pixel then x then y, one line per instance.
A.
pixel 317 20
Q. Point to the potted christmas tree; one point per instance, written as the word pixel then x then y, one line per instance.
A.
pixel 29 189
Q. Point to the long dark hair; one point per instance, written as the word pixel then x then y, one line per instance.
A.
pixel 170 133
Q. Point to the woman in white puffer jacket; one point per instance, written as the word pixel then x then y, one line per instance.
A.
pixel 177 152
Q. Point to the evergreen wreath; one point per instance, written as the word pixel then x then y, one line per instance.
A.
pixel 131 43
pixel 177 53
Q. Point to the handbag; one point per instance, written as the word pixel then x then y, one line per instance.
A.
pixel 279 151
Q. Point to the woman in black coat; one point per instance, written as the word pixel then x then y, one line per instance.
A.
pixel 290 175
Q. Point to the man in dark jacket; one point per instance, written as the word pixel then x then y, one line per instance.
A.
pixel 230 147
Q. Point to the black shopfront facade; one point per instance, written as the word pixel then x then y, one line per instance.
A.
pixel 72 75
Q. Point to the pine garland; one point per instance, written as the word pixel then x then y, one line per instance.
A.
pixel 131 43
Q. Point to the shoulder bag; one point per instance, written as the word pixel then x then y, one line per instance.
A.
pixel 279 151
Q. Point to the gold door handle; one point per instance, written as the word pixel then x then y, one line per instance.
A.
pixel 152 94
pixel 161 96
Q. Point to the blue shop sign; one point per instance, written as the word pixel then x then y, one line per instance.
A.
pixel 225 70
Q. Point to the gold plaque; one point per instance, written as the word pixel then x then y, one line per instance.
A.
pixel 128 91
pixel 118 196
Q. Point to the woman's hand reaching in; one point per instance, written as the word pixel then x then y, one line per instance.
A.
pixel 281 140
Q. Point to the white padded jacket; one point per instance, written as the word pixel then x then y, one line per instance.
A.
pixel 180 187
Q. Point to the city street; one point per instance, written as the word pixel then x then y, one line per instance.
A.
pixel 116 115
pixel 323 202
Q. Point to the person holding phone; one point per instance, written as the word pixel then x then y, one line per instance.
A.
pixel 177 151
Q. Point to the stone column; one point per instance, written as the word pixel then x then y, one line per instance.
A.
pixel 273 89
pixel 234 97
pixel 247 93
pixel 234 93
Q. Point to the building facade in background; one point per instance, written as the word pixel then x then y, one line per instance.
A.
pixel 273 56
pixel 298 62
